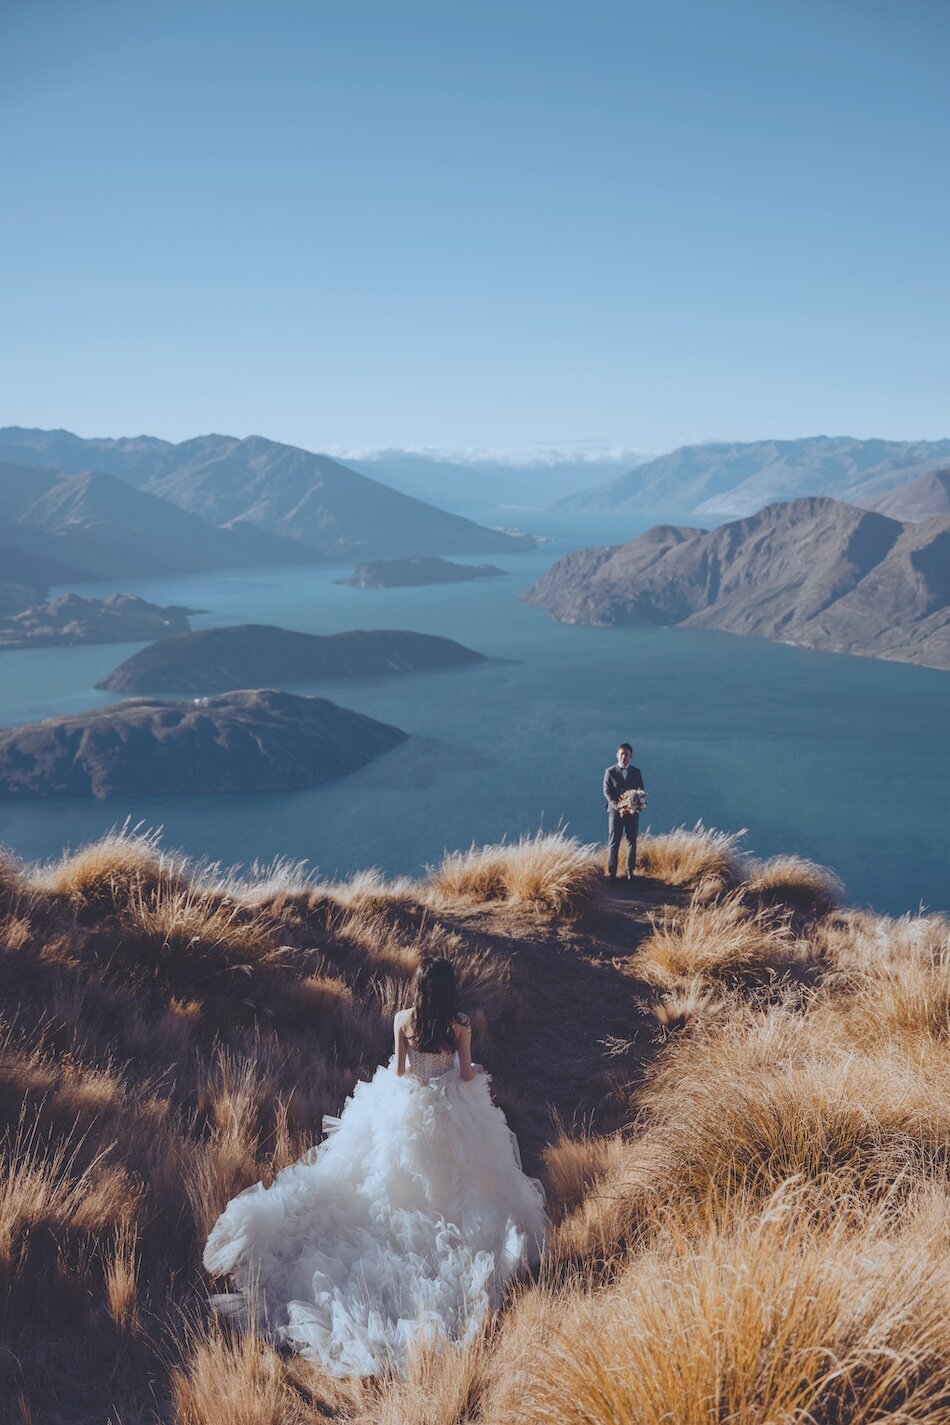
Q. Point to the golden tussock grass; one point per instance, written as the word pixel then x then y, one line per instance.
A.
pixel 684 857
pixel 110 870
pixel 688 1001
pixel 769 1317
pixel 230 1378
pixel 575 1164
pixel 744 1103
pixel 795 882
pixel 550 871
pixel 716 939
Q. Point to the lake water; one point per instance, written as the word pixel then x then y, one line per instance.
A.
pixel 844 760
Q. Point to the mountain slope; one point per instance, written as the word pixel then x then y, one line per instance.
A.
pixel 99 526
pixel 925 498
pixel 814 572
pixel 728 479
pixel 280 488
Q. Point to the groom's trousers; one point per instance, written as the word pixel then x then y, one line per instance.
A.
pixel 622 825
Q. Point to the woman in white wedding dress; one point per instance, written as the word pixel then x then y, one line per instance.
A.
pixel 405 1223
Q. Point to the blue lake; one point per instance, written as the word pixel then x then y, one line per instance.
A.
pixel 844 760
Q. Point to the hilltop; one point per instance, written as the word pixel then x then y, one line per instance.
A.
pixel 246 741
pixel 735 1091
pixel 214 659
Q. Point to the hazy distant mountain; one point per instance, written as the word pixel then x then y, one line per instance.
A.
pixel 333 509
pixel 812 571
pixel 98 526
pixel 925 498
pixel 212 660
pixel 724 480
pixel 468 484
pixel 248 741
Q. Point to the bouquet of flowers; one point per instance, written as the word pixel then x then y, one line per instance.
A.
pixel 634 800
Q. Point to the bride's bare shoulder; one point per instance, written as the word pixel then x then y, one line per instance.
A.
pixel 402 1017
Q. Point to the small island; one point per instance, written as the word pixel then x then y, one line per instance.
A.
pixel 71 619
pixel 216 659
pixel 417 570
pixel 250 741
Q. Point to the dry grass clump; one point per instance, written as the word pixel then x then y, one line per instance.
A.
pixel 230 1378
pixel 684 857
pixel 746 1102
pixel 889 981
pixel 550 871
pixel 13 883
pixel 112 870
pixel 689 1000
pixel 772 1317
pixel 716 939
pixel 793 881
pixel 574 1165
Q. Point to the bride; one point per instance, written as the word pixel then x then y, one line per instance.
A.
pixel 405 1223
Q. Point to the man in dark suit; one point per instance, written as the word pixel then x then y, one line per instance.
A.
pixel 621 777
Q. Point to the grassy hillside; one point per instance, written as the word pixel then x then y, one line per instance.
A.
pixel 736 1092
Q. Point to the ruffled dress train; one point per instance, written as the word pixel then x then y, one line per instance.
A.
pixel 405 1223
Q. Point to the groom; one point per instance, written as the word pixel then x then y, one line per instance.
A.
pixel 621 777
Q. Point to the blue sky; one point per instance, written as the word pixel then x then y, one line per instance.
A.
pixel 428 222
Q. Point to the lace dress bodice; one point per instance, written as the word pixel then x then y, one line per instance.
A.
pixel 426 1067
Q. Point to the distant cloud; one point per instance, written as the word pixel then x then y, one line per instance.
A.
pixel 593 452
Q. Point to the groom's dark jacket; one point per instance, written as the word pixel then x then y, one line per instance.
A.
pixel 619 780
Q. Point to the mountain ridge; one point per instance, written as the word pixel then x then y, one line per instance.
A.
pixel 815 572
pixel 726 479
pixel 237 482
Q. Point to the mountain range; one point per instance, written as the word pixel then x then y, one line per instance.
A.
pixel 483 483
pixel 722 480
pixel 256 485
pixel 815 572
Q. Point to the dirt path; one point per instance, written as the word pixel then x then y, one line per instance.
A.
pixel 561 1065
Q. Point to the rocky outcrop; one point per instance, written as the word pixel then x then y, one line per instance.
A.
pixel 214 659
pixel 417 569
pixel 815 572
pixel 70 619
pixel 260 740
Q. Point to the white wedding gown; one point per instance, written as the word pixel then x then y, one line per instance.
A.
pixel 405 1222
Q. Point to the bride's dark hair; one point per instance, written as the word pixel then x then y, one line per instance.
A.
pixel 435 1005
